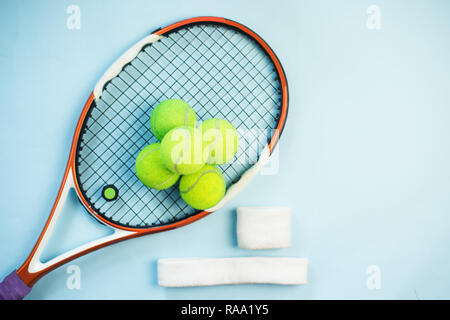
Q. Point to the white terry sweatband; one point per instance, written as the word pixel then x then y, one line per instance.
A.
pixel 264 227
pixel 217 271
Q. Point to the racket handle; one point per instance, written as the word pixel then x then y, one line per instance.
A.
pixel 13 288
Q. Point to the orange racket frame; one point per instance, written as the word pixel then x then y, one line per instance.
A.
pixel 29 277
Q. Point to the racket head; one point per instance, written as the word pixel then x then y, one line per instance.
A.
pixel 222 69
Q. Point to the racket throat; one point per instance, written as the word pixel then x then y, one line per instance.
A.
pixel 33 269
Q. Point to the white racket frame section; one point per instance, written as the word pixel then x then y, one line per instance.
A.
pixel 36 265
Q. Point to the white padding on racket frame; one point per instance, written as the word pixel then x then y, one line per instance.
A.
pixel 263 227
pixel 245 179
pixel 117 66
pixel 219 271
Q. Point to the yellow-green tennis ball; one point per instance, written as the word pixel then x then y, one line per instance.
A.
pixel 151 170
pixel 170 114
pixel 203 189
pixel 182 151
pixel 220 140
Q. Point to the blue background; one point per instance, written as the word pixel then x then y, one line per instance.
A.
pixel 364 159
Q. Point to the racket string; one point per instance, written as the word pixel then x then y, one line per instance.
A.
pixel 219 71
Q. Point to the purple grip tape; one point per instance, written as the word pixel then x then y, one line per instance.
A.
pixel 13 288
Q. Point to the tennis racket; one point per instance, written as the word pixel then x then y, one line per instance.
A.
pixel 223 70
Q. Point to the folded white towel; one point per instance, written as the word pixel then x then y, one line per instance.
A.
pixel 263 227
pixel 217 271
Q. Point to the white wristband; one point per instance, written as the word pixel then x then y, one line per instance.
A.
pixel 218 271
pixel 263 227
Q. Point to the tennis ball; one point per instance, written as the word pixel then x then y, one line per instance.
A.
pixel 151 170
pixel 182 151
pixel 220 140
pixel 170 114
pixel 203 189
